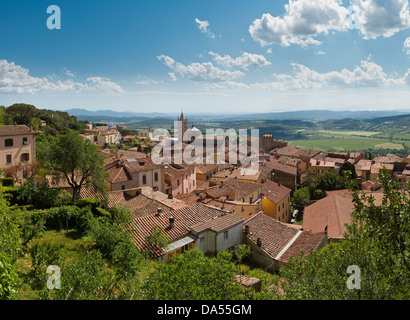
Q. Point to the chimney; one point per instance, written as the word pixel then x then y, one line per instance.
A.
pixel 259 242
pixel 159 211
pixel 247 231
pixel 250 200
pixel 278 184
pixel 171 221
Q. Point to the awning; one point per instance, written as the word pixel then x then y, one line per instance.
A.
pixel 178 244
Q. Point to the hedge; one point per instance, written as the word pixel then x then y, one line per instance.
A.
pixel 7 182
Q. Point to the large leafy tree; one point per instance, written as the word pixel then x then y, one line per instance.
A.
pixel 318 184
pixel 76 161
pixel 21 113
pixel 377 241
pixel 195 277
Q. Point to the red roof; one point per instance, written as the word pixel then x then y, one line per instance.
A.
pixel 184 219
pixel 281 241
pixel 332 212
pixel 275 192
pixel 18 129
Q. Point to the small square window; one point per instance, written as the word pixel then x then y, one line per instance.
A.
pixel 226 236
pixel 8 142
pixel 25 141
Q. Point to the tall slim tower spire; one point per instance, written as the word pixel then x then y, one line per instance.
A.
pixel 182 126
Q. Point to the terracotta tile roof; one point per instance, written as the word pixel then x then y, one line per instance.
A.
pixel 88 191
pixel 176 171
pixel 241 188
pixel 189 198
pixel 306 241
pixel 363 165
pixel 220 190
pixel 163 198
pixel 141 164
pixel 278 166
pixel 294 152
pixel 18 129
pixel 389 158
pixel 378 166
pixel 331 212
pixel 219 223
pixel 245 173
pixel 275 192
pixel 228 206
pixel 274 234
pixel 322 163
pixel 184 219
pixel 140 205
pixel 206 168
pixel 371 185
pixel 118 174
pixel 279 240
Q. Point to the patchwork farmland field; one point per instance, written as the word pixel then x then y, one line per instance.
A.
pixel 325 140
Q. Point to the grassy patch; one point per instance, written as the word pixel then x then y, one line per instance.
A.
pixel 348 143
pixel 350 133
pixel 71 244
pixel 389 145
pixel 250 269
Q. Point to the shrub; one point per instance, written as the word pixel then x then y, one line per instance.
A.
pixel 33 224
pixel 12 193
pixel 41 198
pixel 121 214
pixel 64 217
pixel 9 279
pixel 93 203
pixel 102 213
pixel 7 182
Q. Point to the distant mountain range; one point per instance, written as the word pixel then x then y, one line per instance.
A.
pixel 107 115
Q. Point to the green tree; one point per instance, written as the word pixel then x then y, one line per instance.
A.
pixel 348 166
pixel 377 241
pixel 84 279
pixel 299 200
pixel 77 162
pixel 40 198
pixel 157 240
pixel 318 184
pixel 193 276
pixel 21 113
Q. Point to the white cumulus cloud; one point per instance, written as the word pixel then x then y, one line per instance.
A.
pixel 382 17
pixel 302 21
pixel 200 71
pixel 367 75
pixel 203 26
pixel 406 45
pixel 244 61
pixel 16 79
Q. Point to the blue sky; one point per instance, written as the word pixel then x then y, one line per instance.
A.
pixel 206 56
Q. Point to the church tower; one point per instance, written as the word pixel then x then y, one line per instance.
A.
pixel 182 126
